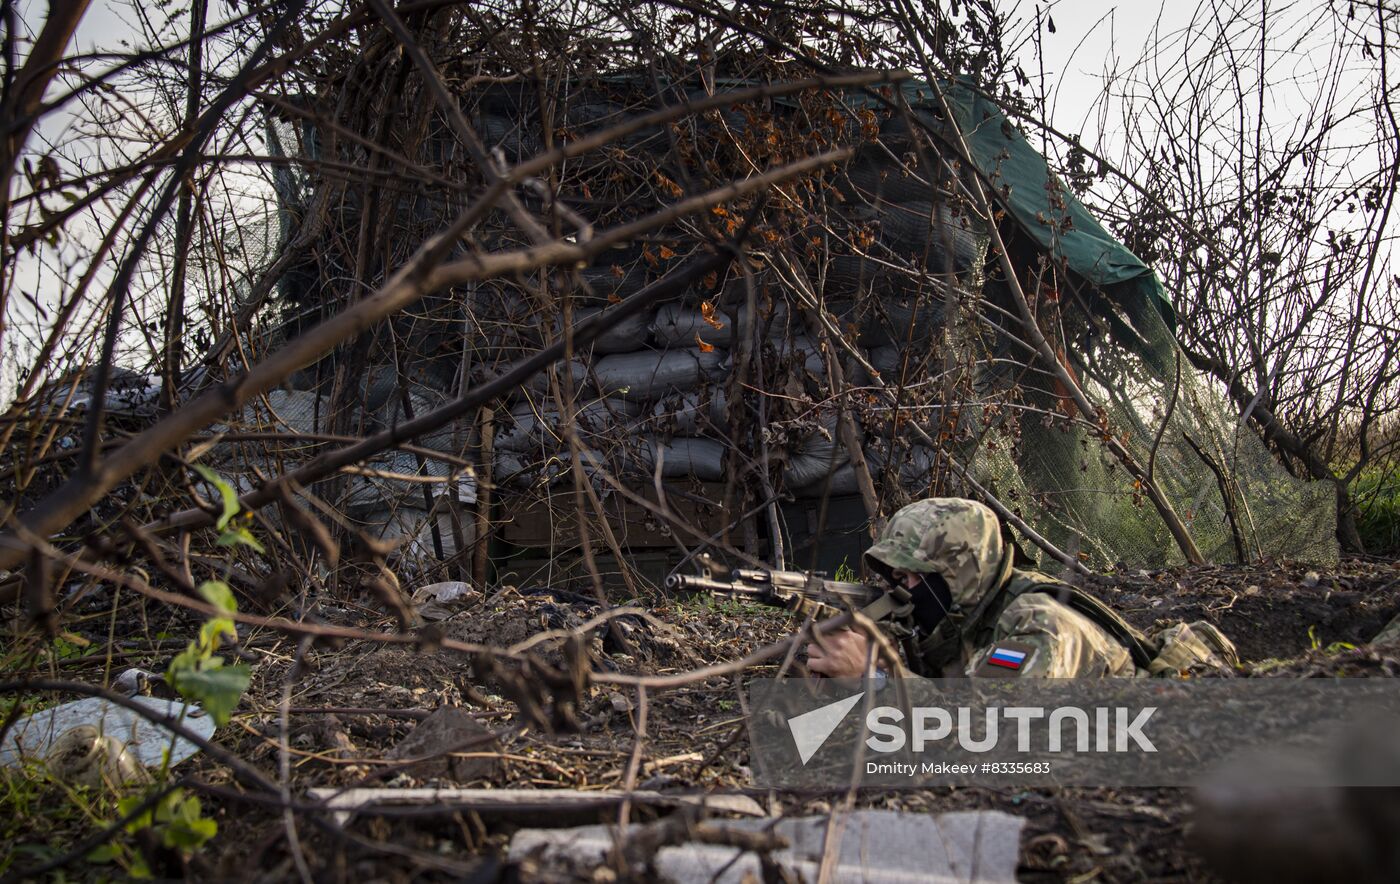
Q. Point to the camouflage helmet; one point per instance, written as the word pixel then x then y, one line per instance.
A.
pixel 958 539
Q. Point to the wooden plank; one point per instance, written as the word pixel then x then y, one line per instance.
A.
pixel 545 522
pixel 534 801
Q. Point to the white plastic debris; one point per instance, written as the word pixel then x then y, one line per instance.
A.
pixel 891 847
pixel 438 601
pixel 83 756
pixel 36 736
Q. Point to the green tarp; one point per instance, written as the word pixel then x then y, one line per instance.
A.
pixel 1002 153
pixel 1039 201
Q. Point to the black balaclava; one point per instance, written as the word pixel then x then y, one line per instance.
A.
pixel 932 602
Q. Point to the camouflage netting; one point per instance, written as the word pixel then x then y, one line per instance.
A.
pixel 1230 492
pixel 871 274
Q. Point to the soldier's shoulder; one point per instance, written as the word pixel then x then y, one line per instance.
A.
pixel 1027 580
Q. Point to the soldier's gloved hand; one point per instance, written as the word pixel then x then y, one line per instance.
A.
pixel 843 657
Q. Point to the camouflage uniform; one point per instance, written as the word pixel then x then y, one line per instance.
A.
pixel 1007 622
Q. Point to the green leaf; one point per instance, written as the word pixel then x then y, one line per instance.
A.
pixel 102 854
pixel 213 686
pixel 212 632
pixel 139 868
pixel 186 826
pixel 226 492
pixel 217 593
pixel 189 835
pixel 127 805
pixel 240 536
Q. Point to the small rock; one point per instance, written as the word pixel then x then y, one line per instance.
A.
pixel 1251 590
pixel 1311 579
pixel 660 782
pixel 133 682
pixel 448 730
pixel 620 703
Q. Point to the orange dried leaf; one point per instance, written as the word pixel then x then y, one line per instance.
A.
pixel 707 311
pixel 667 253
pixel 613 298
pixel 704 347
pixel 618 271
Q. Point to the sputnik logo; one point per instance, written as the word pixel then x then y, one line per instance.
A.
pixel 811 729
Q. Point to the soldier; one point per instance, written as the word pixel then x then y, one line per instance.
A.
pixel 971 605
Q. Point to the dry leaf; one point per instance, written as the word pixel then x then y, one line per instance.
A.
pixel 704 347
pixel 707 312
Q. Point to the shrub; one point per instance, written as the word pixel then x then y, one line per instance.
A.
pixel 1376 493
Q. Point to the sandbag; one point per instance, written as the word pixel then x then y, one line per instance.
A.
pixel 688 414
pixel 901 321
pixel 369 493
pixel 527 428
pixel 516 140
pixel 604 282
pixel 446 438
pixel 906 229
pixel 282 411
pixel 852 276
pixel 538 384
pixel 391 412
pixel 842 482
pixel 682 457
pixel 800 349
pixel 887 360
pixel 679 326
pixel 412 530
pixel 648 375
pixel 544 469
pixel 378 387
pixel 517 470
pixel 911 468
pixel 626 336
pixel 453 438
pixel 820 454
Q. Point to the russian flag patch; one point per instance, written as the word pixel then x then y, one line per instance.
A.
pixel 1007 658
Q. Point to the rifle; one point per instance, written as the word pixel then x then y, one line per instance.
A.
pixel 804 593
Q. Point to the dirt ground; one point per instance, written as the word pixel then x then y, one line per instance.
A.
pixel 349 706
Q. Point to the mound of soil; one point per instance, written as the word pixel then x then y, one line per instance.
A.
pixel 1270 612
